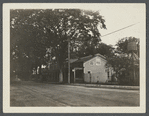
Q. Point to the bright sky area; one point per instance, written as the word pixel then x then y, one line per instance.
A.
pixel 118 16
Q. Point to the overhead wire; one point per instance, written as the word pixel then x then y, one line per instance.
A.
pixel 120 29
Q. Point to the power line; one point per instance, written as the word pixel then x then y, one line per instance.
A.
pixel 120 29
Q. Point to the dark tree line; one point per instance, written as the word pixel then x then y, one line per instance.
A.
pixel 33 31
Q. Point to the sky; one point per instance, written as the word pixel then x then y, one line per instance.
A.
pixel 118 16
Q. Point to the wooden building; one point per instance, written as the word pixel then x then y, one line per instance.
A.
pixel 89 69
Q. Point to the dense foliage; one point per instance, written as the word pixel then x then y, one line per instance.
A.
pixel 33 31
pixel 125 62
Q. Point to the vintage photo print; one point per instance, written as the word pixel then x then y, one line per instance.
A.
pixel 74 58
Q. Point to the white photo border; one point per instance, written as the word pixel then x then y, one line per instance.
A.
pixel 6 64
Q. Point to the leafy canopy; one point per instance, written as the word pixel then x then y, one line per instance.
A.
pixel 33 31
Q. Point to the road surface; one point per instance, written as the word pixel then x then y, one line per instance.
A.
pixel 41 94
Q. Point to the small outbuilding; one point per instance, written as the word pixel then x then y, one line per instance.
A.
pixel 91 69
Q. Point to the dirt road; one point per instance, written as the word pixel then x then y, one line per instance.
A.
pixel 41 94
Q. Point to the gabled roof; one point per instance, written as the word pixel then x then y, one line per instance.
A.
pixel 101 56
pixel 86 58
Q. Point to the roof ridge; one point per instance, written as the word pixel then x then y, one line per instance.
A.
pixel 100 55
pixel 85 56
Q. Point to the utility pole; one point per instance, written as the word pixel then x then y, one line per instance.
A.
pixel 68 60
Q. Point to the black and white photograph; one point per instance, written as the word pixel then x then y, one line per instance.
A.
pixel 74 58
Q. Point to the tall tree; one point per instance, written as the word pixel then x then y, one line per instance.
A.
pixel 41 29
pixel 91 49
pixel 123 44
pixel 122 61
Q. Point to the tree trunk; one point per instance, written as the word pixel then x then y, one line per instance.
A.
pixel 61 76
pixel 39 69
